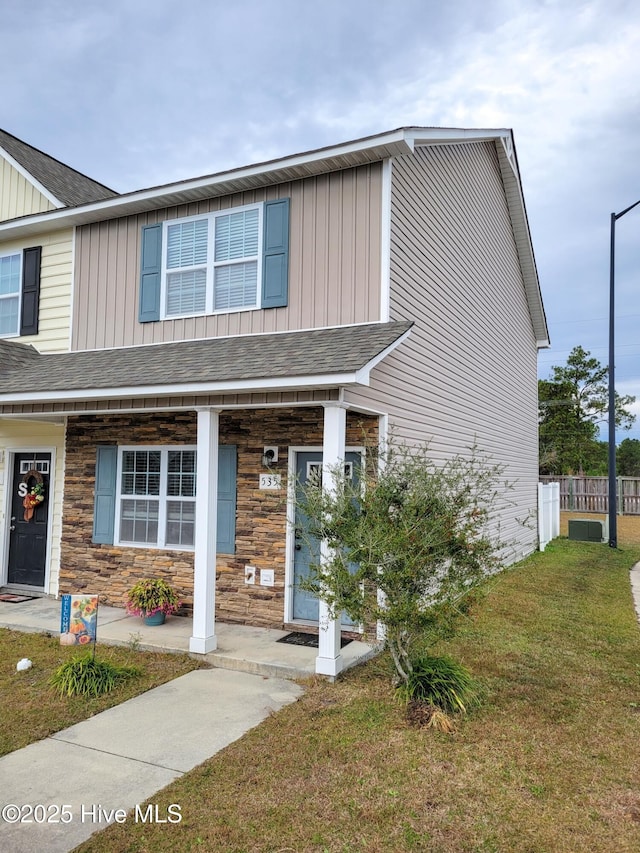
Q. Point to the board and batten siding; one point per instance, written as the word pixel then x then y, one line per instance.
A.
pixel 334 266
pixel 56 273
pixel 22 436
pixel 19 197
pixel 467 372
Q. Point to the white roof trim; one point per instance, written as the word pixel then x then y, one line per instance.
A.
pixel 29 177
pixel 359 151
pixel 187 389
pixel 363 375
pixel 369 149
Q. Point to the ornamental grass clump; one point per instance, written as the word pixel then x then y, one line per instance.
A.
pixel 152 595
pixel 442 683
pixel 86 676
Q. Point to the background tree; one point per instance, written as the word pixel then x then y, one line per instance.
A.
pixel 572 404
pixel 628 458
pixel 416 532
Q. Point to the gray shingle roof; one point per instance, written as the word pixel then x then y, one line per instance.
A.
pixel 64 183
pixel 14 355
pixel 249 357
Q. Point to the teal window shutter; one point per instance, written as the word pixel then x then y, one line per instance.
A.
pixel 150 272
pixel 227 464
pixel 275 268
pixel 104 508
pixel 30 290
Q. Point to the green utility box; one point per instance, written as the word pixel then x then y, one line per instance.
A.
pixel 586 530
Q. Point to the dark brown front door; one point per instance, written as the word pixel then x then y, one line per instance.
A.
pixel 28 538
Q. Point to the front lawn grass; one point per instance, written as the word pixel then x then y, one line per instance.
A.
pixel 548 763
pixel 30 709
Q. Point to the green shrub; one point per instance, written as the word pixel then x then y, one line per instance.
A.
pixel 442 682
pixel 86 676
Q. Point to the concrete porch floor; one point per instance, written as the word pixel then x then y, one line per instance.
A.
pixel 240 647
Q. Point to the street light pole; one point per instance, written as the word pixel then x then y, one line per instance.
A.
pixel 613 501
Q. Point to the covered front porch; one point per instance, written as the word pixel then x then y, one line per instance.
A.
pixel 243 648
pixel 147 432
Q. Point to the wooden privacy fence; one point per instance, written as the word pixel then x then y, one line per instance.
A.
pixel 591 494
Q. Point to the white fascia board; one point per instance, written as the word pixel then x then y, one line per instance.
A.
pixel 288 383
pixel 508 162
pixel 363 375
pixel 449 135
pixel 29 177
pixel 119 206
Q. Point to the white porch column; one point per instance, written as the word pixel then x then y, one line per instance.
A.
pixel 329 661
pixel 204 575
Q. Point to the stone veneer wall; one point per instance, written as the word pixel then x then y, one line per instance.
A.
pixel 110 570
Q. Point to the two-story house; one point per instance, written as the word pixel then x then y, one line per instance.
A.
pixel 36 276
pixel 233 331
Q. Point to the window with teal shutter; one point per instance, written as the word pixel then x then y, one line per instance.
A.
pixel 229 260
pixel 155 497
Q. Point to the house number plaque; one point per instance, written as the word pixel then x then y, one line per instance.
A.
pixel 270 481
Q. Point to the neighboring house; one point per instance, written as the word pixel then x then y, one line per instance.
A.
pixel 36 272
pixel 241 328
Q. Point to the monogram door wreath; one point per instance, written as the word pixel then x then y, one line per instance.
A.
pixel 33 495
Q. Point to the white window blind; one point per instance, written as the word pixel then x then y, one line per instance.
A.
pixel 157 497
pixel 211 262
pixel 10 275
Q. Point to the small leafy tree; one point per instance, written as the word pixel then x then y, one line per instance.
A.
pixel 629 458
pixel 572 404
pixel 410 538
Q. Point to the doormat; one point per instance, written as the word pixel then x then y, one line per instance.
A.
pixel 15 599
pixel 309 640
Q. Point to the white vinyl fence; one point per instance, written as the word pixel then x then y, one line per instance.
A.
pixel 548 513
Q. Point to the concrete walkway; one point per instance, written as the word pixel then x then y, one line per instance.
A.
pixel 101 769
pixel 121 757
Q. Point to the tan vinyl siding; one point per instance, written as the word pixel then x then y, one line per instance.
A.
pixel 467 372
pixel 334 266
pixel 55 290
pixel 17 435
pixel 19 197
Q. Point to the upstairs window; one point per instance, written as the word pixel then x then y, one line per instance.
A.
pixel 232 260
pixel 211 263
pixel 10 285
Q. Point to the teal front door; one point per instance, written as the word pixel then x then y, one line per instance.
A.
pixel 307 549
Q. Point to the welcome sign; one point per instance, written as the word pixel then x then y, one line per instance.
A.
pixel 79 620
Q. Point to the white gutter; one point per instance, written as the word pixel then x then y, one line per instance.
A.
pixel 189 389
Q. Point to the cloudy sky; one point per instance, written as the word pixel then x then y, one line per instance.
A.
pixel 140 92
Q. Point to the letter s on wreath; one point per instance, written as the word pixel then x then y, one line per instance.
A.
pixel 32 496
